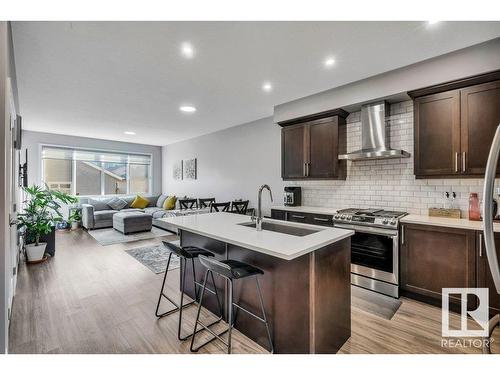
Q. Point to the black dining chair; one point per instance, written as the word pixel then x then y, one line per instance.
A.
pixel 220 207
pixel 239 207
pixel 188 204
pixel 205 202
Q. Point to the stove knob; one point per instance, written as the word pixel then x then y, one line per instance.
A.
pixel 385 221
pixel 336 216
pixel 393 221
pixel 342 217
pixel 348 217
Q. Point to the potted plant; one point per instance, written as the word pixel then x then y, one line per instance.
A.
pixel 75 218
pixel 41 212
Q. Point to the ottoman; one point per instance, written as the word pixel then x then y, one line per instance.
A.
pixel 131 222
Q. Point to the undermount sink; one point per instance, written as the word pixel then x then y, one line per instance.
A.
pixel 280 228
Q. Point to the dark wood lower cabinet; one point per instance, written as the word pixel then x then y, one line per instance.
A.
pixel 278 215
pixel 433 258
pixel 303 217
pixel 484 279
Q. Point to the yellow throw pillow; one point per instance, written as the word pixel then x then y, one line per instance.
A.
pixel 139 202
pixel 169 203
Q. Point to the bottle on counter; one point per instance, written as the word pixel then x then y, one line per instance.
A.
pixel 474 209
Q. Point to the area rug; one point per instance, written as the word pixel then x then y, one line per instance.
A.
pixel 374 303
pixel 155 257
pixel 110 236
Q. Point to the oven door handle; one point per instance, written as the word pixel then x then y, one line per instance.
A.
pixel 370 230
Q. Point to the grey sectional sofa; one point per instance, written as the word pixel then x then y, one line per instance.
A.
pixel 96 213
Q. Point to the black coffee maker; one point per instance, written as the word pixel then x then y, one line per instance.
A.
pixel 292 196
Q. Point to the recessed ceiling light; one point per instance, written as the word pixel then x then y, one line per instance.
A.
pixel 187 108
pixel 267 87
pixel 187 50
pixel 432 22
pixel 129 133
pixel 329 62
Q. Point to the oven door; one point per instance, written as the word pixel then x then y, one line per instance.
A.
pixel 374 252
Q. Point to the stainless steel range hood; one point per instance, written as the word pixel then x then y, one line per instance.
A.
pixel 374 141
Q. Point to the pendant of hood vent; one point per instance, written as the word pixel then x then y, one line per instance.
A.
pixel 374 140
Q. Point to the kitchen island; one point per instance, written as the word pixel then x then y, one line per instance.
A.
pixel 306 281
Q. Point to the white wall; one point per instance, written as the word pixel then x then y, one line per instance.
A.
pixel 32 140
pixel 232 163
pixel 4 198
pixel 8 185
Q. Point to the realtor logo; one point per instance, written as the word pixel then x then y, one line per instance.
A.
pixel 480 315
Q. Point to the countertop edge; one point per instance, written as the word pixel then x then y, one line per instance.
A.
pixel 267 251
pixel 446 222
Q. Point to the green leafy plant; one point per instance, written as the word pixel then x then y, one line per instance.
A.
pixel 42 209
pixel 75 216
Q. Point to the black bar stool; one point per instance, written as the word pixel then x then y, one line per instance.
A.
pixel 185 253
pixel 229 270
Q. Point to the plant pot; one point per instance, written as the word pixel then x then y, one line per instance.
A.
pixel 35 253
pixel 50 240
pixel 75 225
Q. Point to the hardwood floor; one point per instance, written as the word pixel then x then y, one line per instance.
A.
pixel 98 299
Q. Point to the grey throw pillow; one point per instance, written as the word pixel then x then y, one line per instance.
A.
pixel 161 200
pixel 117 204
pixel 99 205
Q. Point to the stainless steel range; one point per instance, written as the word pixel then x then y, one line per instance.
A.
pixel 374 247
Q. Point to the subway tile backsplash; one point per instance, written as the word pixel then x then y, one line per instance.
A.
pixel 389 183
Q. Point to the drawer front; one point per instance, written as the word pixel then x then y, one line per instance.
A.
pixel 298 217
pixel 309 218
pixel 318 219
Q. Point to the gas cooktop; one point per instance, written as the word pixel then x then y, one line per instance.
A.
pixel 369 216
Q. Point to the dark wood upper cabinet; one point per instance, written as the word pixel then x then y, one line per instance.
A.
pixel 433 258
pixel 480 117
pixel 437 134
pixel 293 151
pixel 454 129
pixel 310 147
pixel 484 278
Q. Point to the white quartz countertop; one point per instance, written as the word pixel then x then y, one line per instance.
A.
pixel 307 209
pixel 447 222
pixel 224 227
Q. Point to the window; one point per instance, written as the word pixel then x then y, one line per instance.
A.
pixel 88 172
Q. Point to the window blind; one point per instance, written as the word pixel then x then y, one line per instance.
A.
pixel 93 156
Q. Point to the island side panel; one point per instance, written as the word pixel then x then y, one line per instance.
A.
pixel 285 290
pixel 331 297
pixel 219 250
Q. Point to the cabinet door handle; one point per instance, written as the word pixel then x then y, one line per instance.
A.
pixel 464 163
pixel 456 162
pixel 480 245
pixel 298 217
pixel 402 234
pixel 321 219
pixel 304 169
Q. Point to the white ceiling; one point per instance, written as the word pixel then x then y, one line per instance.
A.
pixel 99 79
